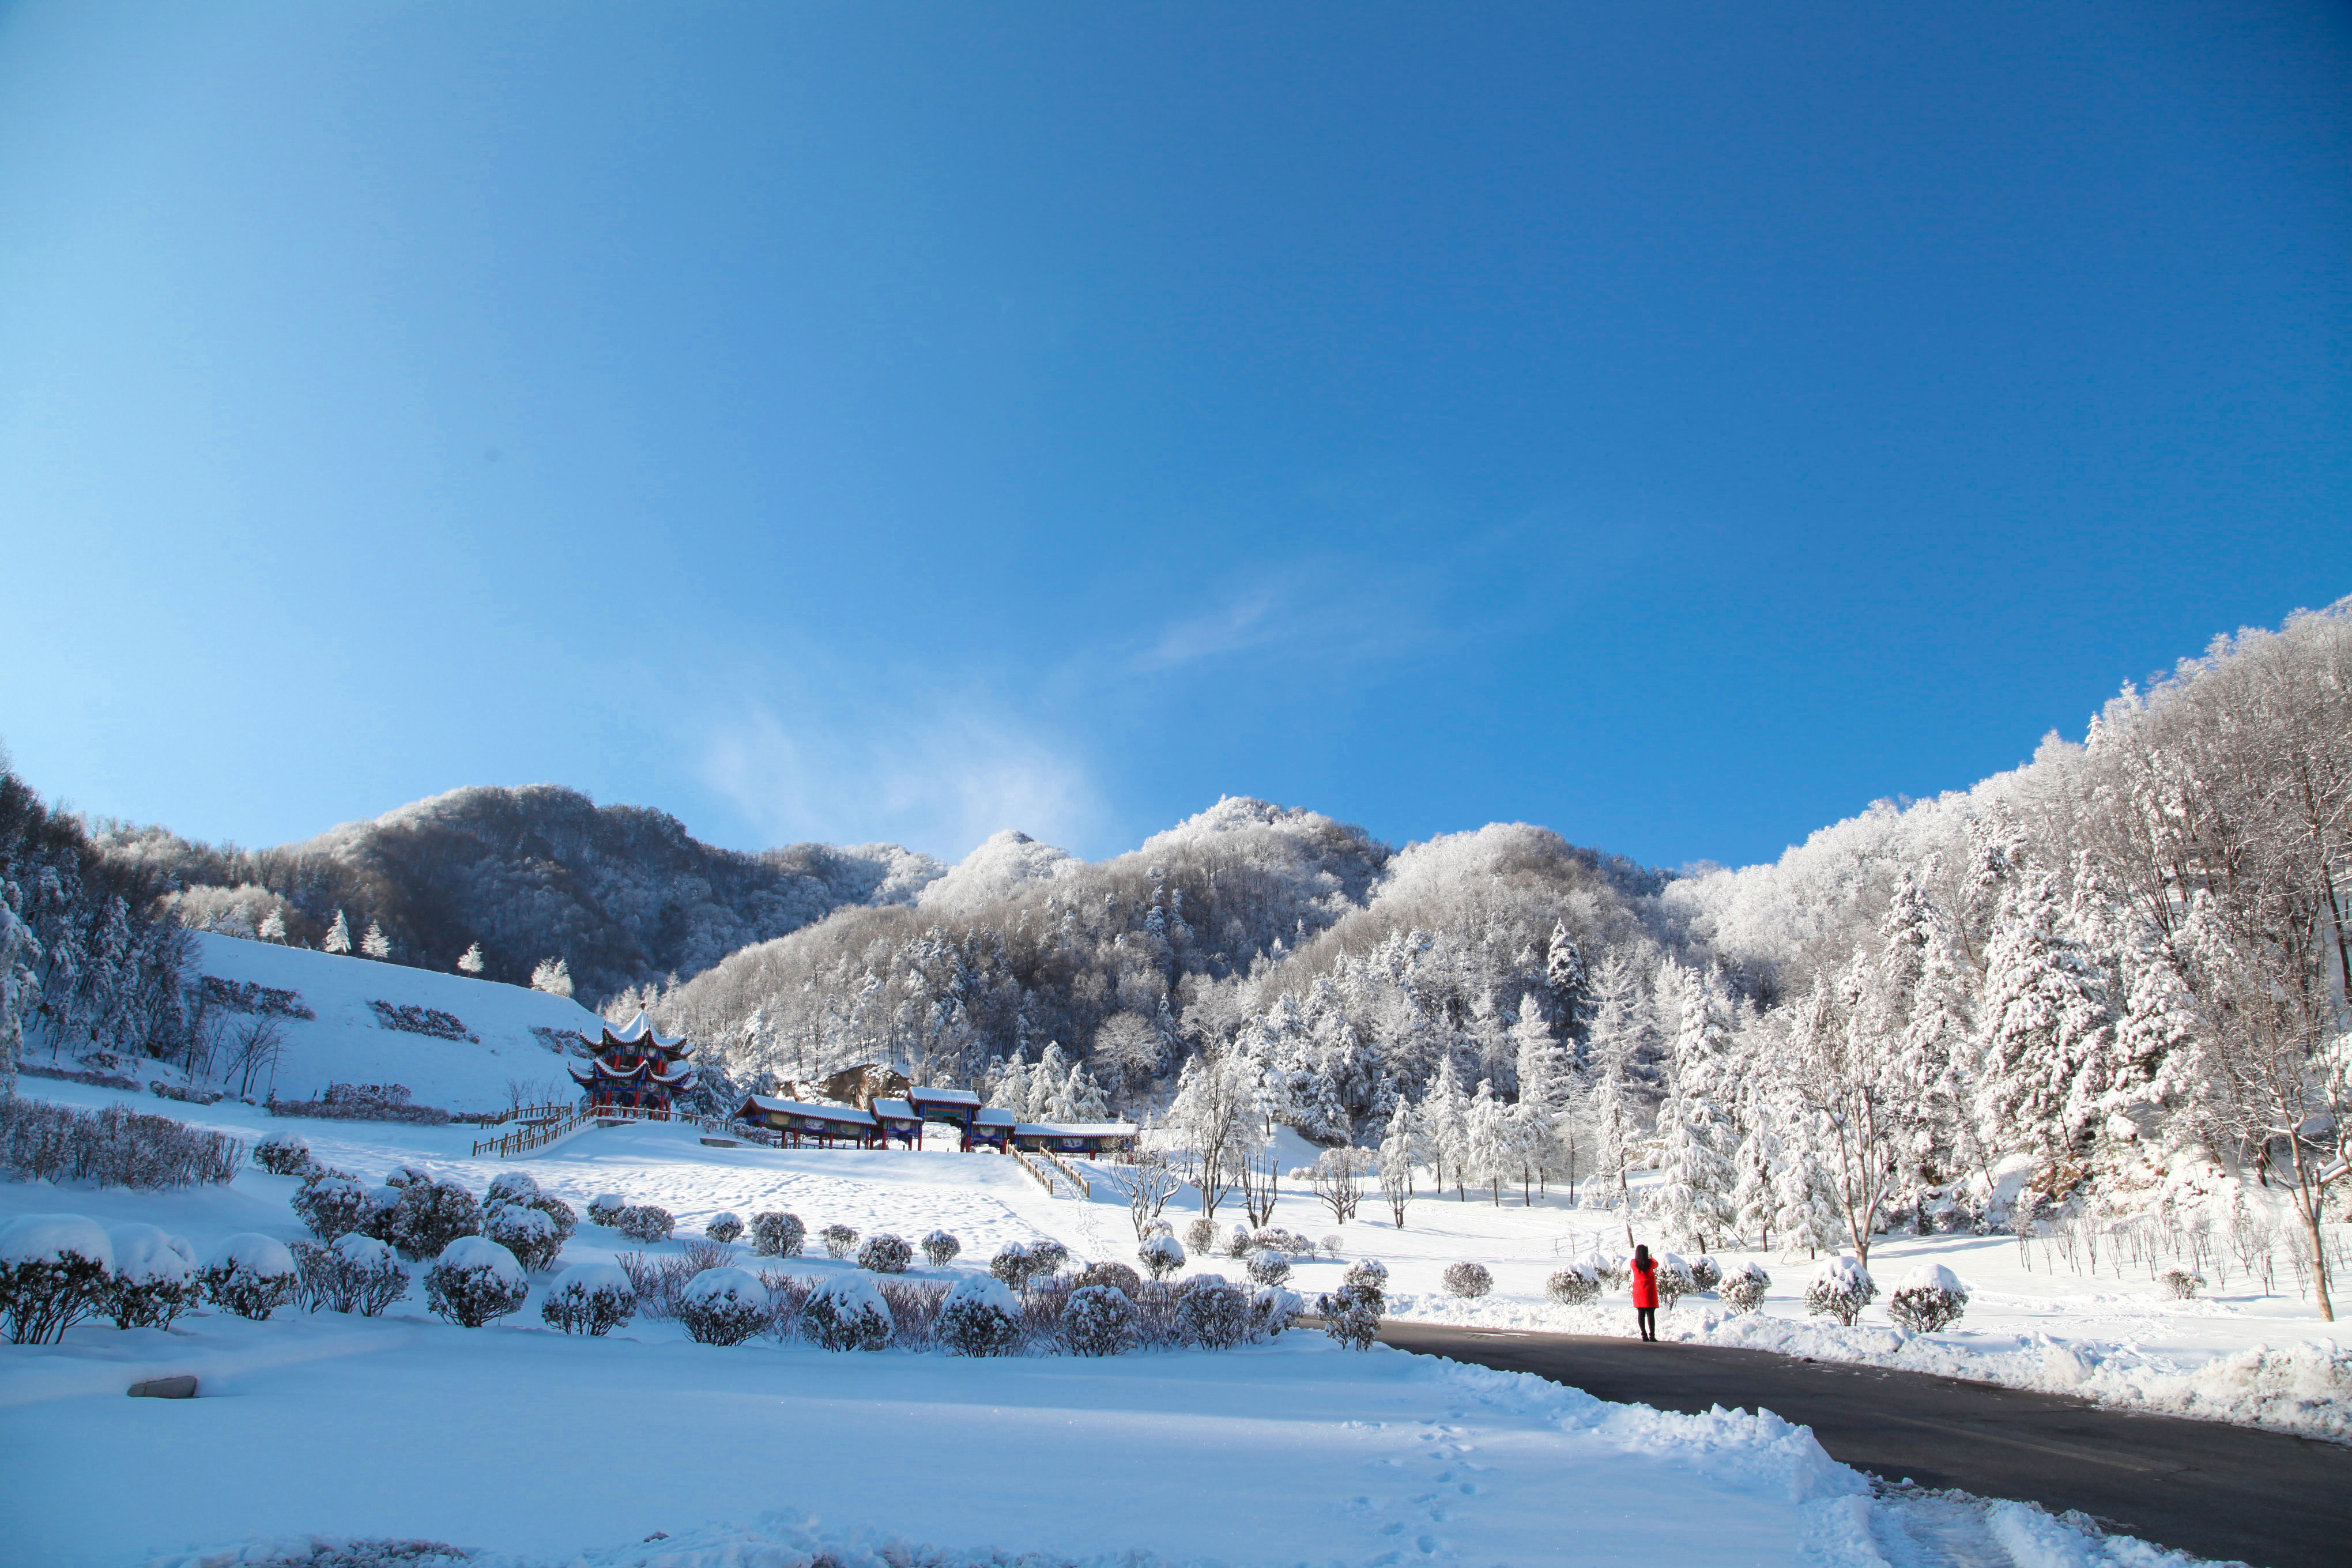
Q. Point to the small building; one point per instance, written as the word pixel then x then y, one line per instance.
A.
pixel 635 1068
pixel 991 1129
pixel 1083 1139
pixel 900 1121
pixel 800 1123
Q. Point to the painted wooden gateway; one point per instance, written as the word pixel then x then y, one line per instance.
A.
pixel 635 1068
pixel 800 1123
pixel 899 1120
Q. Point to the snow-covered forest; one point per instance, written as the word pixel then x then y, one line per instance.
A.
pixel 2115 976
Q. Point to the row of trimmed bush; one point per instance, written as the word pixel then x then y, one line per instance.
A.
pixel 112 1147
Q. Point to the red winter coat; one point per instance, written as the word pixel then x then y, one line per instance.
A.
pixel 1646 1284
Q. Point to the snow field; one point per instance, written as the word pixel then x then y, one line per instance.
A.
pixel 347 1043
pixel 545 1448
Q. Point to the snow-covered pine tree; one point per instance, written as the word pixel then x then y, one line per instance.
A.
pixel 338 935
pixel 1487 1156
pixel 273 927
pixel 553 975
pixel 375 944
pixel 2045 1009
pixel 1445 1119
pixel 471 961
pixel 1565 978
pixel 20 992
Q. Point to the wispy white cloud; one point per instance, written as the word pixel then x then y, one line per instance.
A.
pixel 1246 621
pixel 935 773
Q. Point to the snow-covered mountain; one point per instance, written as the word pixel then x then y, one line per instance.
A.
pixel 624 895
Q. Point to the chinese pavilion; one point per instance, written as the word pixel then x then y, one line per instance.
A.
pixel 635 1068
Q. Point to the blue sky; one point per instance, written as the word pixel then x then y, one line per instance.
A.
pixel 1678 425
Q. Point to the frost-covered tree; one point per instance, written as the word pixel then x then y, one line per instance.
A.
pixel 553 975
pixel 375 944
pixel 471 961
pixel 338 935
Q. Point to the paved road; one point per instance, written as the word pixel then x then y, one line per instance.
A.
pixel 2220 1492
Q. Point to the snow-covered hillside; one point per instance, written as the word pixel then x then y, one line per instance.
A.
pixel 347 1041
pixel 643 1448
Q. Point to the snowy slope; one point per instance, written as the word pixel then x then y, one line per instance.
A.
pixel 346 1044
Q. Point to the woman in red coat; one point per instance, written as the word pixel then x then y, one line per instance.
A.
pixel 1646 1293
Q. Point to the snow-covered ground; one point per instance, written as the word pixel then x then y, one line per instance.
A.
pixel 521 1442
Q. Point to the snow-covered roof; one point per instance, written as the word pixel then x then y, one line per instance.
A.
pixel 640 1030
pixel 801 1108
pixel 991 1117
pixel 1076 1129
pixel 898 1108
pixel 944 1096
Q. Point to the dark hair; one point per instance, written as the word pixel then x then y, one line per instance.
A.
pixel 1642 1257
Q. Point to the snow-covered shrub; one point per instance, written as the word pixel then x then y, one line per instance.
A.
pixel 406 1175
pixel 1616 1270
pixel 914 1311
pixel 1238 1242
pixel 1097 1320
pixel 1289 1243
pixel 980 1318
pixel 1743 1289
pixel 605 1207
pixel 940 1249
pixel 558 1212
pixel 1048 1255
pixel 723 1306
pixel 1351 1314
pixel 474 1281
pixel 648 1223
pixel 777 1235
pixel 1841 1288
pixel 1928 1299
pixel 1469 1281
pixel 723 1228
pixel 53 1272
pixel 153 1279
pixel 1370 1271
pixel 1015 1264
pixel 1201 1235
pixel 1705 1273
pixel 1267 1267
pixel 1674 1278
pixel 1574 1285
pixel 1331 1245
pixel 427 1216
pixel 331 1206
pixel 526 1233
pixel 511 1187
pixel 885 1254
pixel 251 1275
pixel 1273 1310
pixel 283 1154
pixel 1118 1276
pixel 840 1240
pixel 2180 1284
pixel 367 1276
pixel 1214 1312
pixel 1162 1254
pixel 589 1299
pixel 847 1313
